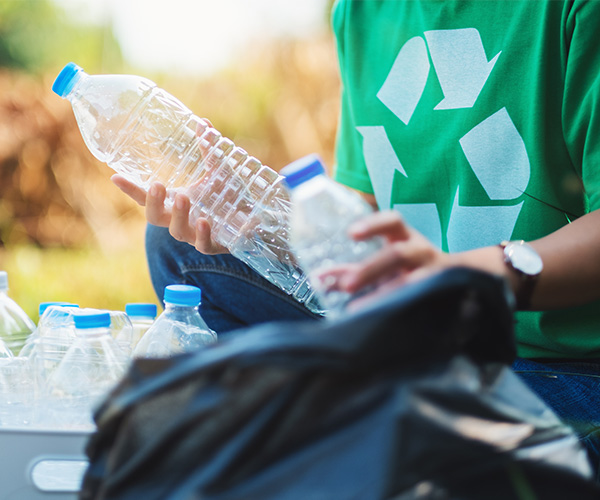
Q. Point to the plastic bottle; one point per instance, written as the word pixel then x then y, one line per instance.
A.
pixel 91 367
pixel 322 211
pixel 142 315
pixel 179 328
pixel 43 318
pixel 121 328
pixel 16 392
pixel 50 342
pixel 15 325
pixel 147 135
pixel 5 352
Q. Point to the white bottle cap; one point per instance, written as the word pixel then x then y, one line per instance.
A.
pixel 3 280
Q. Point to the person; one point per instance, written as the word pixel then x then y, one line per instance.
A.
pixel 468 124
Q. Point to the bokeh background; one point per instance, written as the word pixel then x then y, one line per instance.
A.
pixel 263 71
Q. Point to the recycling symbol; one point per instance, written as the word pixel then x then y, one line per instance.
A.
pixel 493 148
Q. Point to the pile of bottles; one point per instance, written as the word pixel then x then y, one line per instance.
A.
pixel 54 374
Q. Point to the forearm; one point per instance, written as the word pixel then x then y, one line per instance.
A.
pixel 571 256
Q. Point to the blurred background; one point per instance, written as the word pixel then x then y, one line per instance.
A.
pixel 263 71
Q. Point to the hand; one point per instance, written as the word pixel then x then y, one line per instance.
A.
pixel 177 219
pixel 406 256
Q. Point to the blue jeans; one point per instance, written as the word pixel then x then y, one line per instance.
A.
pixel 572 389
pixel 234 296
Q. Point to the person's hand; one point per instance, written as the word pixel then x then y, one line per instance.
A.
pixel 177 218
pixel 406 256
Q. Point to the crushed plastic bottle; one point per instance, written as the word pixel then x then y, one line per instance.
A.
pixel 147 135
pixel 179 328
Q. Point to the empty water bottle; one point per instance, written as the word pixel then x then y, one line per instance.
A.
pixel 147 135
pixel 179 328
pixel 142 315
pixel 5 352
pixel 91 367
pixel 50 342
pixel 16 392
pixel 44 318
pixel 121 328
pixel 322 211
pixel 15 325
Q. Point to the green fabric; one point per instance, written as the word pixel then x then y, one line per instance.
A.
pixel 480 122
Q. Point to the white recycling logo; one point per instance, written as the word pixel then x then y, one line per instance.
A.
pixel 493 148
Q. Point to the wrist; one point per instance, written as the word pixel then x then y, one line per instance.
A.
pixel 524 266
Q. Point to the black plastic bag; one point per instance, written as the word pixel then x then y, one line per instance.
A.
pixel 412 398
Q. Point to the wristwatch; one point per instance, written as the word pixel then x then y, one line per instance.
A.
pixel 527 265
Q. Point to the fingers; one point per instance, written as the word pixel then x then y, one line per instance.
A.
pixel 156 213
pixel 396 261
pixel 130 189
pixel 388 223
pixel 203 241
pixel 389 261
pixel 179 226
pixel 182 230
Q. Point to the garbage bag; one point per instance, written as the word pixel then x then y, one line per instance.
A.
pixel 410 398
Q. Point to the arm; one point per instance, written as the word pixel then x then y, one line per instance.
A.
pixel 571 274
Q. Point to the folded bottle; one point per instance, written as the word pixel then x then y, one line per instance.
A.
pixel 147 135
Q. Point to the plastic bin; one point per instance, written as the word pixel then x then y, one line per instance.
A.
pixel 41 464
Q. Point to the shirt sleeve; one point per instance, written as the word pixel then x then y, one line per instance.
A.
pixel 581 102
pixel 350 168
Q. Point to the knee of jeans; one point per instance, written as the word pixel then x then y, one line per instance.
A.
pixel 161 246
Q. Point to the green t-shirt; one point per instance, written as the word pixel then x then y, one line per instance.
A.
pixel 480 122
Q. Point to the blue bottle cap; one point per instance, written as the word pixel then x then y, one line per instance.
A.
pixel 45 305
pixel 3 280
pixel 302 170
pixel 66 79
pixel 85 319
pixel 182 295
pixel 141 309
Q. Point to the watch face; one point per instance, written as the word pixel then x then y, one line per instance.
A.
pixel 524 258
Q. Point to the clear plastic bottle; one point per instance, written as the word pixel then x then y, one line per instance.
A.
pixel 147 135
pixel 16 392
pixel 179 328
pixel 142 315
pixel 121 328
pixel 5 352
pixel 42 325
pixel 90 368
pixel 50 342
pixel 322 211
pixel 15 325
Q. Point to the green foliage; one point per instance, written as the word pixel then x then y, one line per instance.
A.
pixel 36 35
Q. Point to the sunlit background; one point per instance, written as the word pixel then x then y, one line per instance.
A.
pixel 263 71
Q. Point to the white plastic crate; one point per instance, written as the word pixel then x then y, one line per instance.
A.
pixel 41 464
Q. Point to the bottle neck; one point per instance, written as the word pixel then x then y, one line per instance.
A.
pixel 92 333
pixel 179 307
pixel 74 84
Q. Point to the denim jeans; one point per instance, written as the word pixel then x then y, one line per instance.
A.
pixel 572 389
pixel 234 296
